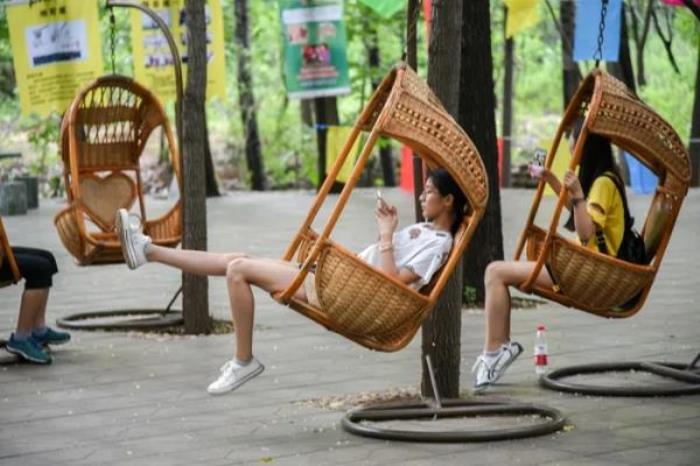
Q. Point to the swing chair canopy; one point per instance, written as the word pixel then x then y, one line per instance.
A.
pixel 103 136
pixel 586 279
pixel 357 300
pixel 7 256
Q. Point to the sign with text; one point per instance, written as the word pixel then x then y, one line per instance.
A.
pixel 315 61
pixel 56 50
pixel 153 63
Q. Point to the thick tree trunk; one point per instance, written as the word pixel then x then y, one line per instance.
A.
pixel 246 99
pixel 570 73
pixel 476 115
pixel 385 156
pixel 326 112
pixel 509 50
pixel 195 299
pixel 694 146
pixel 442 331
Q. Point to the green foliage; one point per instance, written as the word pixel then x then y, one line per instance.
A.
pixel 289 148
pixel 469 296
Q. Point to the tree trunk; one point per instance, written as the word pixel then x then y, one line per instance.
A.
pixel 694 146
pixel 246 99
pixel 307 112
pixel 476 115
pixel 326 110
pixel 622 70
pixel 442 331
pixel 385 156
pixel 212 188
pixel 507 103
pixel 570 73
pixel 195 299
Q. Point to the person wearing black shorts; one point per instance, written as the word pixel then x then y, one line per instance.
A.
pixel 31 337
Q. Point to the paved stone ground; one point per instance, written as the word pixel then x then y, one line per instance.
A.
pixel 117 398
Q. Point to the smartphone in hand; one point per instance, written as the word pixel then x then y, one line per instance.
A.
pixel 380 201
pixel 536 167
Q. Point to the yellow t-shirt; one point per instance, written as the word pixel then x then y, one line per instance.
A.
pixel 604 205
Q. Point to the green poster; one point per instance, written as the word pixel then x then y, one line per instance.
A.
pixel 315 62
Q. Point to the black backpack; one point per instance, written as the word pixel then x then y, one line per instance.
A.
pixel 632 246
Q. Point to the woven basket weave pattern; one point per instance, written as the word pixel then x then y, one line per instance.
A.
pixel 354 296
pixel 111 120
pixel 588 282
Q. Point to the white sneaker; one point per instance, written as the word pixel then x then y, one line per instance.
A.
pixel 233 375
pixel 487 373
pixel 133 241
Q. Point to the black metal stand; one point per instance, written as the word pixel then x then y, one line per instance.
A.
pixel 687 373
pixel 167 318
pixel 354 420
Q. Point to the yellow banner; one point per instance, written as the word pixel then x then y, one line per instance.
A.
pixel 56 49
pixel 522 14
pixel 561 161
pixel 335 140
pixel 153 65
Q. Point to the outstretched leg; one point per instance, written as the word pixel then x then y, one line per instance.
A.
pixel 195 262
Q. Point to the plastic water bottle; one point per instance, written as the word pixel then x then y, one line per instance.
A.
pixel 540 351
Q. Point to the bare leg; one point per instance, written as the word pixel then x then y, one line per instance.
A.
pixel 196 262
pixel 270 275
pixel 32 309
pixel 499 276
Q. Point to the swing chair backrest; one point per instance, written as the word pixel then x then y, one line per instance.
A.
pixel 105 130
pixel 6 256
pixel 357 300
pixel 588 280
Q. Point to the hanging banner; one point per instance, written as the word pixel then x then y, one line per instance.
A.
pixel 586 30
pixel 56 50
pixel 386 8
pixel 522 14
pixel 153 63
pixel 315 62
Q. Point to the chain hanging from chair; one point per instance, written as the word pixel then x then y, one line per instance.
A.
pixel 598 56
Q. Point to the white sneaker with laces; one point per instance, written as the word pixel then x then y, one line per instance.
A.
pixel 233 375
pixel 488 372
pixel 133 241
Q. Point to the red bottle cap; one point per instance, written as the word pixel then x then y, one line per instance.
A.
pixel 541 327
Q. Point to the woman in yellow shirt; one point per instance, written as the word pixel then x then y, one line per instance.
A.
pixel 598 206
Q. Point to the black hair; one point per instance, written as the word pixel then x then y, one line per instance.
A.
pixel 596 159
pixel 446 185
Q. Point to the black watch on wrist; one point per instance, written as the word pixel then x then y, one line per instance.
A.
pixel 575 201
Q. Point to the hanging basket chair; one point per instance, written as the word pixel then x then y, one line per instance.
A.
pixel 103 135
pixel 586 279
pixel 7 256
pixel 357 300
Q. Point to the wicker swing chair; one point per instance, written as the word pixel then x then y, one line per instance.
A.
pixel 585 279
pixel 357 300
pixel 103 135
pixel 6 255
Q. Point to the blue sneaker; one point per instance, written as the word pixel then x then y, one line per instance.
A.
pixel 28 349
pixel 51 337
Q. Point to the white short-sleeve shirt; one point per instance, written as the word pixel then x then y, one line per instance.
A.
pixel 419 248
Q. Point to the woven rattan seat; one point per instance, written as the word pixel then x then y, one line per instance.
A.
pixel 7 256
pixel 103 135
pixel 588 280
pixel 357 300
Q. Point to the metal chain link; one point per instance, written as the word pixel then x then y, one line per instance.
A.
pixel 112 29
pixel 601 30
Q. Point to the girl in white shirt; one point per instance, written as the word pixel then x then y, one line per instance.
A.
pixel 412 255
